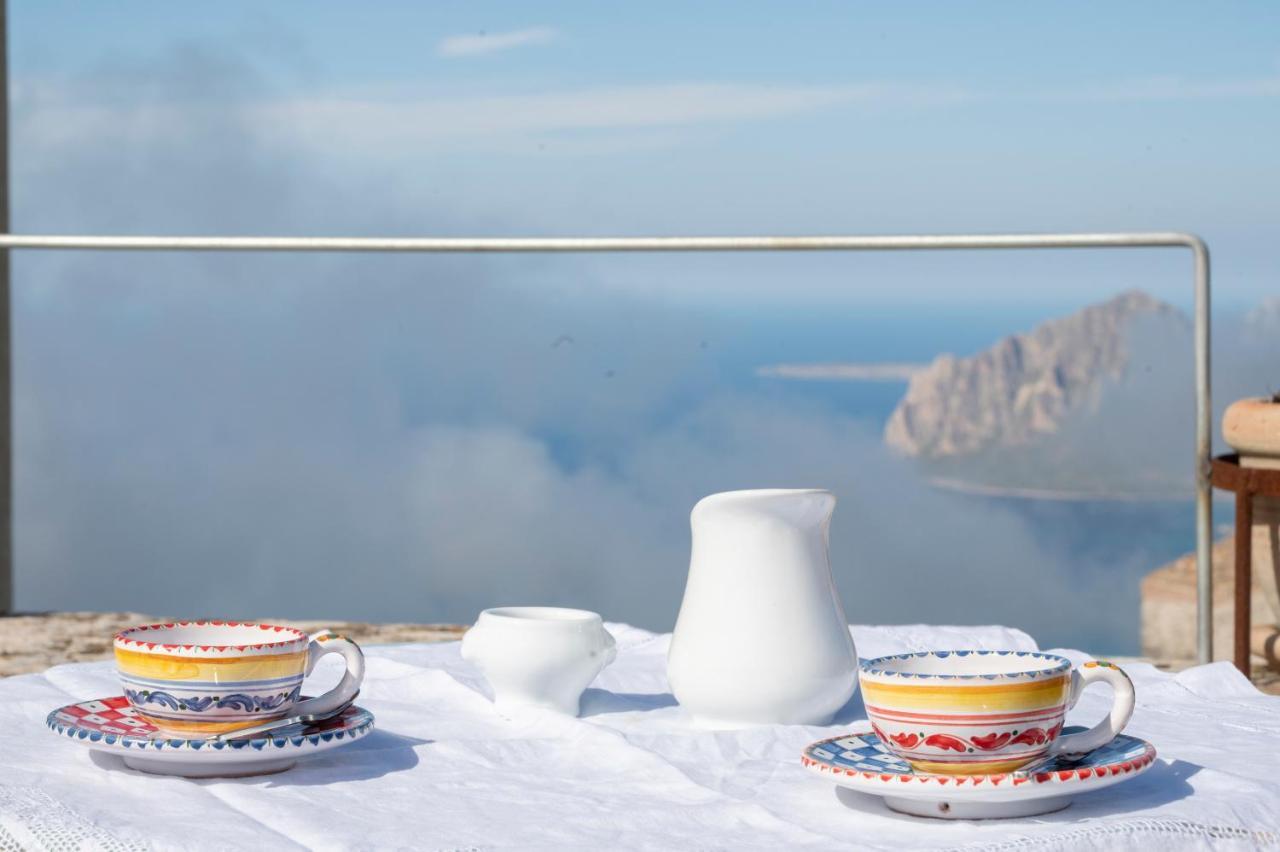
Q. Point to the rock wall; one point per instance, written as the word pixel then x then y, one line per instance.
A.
pixel 1169 609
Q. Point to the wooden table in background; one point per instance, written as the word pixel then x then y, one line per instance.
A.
pixel 1247 483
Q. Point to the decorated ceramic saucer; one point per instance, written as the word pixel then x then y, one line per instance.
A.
pixel 860 762
pixel 111 725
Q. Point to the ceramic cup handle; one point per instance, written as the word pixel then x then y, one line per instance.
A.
pixel 1121 707
pixel 328 642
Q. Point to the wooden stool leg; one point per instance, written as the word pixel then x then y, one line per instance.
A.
pixel 1244 579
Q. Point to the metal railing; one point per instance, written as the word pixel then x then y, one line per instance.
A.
pixel 903 242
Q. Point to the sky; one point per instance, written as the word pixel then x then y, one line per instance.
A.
pixel 731 118
pixel 415 438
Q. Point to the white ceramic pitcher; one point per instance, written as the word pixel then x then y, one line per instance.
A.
pixel 761 637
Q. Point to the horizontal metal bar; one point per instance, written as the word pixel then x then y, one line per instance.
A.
pixel 605 244
pixel 892 242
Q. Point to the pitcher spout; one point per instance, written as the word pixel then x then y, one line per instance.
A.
pixel 801 507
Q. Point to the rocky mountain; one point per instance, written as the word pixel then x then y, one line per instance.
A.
pixel 1023 387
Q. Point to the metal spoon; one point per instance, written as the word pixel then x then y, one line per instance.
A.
pixel 1067 760
pixel 303 718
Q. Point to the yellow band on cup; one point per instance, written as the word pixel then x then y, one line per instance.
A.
pixel 961 698
pixel 232 670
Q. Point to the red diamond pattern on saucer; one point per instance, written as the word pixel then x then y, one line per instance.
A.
pixel 110 715
pixel 111 725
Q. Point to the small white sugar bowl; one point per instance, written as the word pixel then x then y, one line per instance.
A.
pixel 538 657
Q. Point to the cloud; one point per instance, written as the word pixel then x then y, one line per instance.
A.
pixel 406 120
pixel 433 121
pixel 589 121
pixel 482 43
pixel 347 440
pixel 398 437
pixel 401 125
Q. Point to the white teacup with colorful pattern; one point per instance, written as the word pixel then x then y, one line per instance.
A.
pixel 200 678
pixel 977 712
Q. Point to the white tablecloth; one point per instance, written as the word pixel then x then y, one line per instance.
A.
pixel 443 771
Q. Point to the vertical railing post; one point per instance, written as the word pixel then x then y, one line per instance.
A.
pixel 6 368
pixel 1204 457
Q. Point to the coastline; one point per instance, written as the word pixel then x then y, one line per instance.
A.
pixel 978 489
pixel 888 371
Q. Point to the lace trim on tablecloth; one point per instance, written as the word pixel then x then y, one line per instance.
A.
pixel 34 821
pixel 1134 829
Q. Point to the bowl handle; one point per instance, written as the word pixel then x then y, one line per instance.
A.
pixel 610 647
